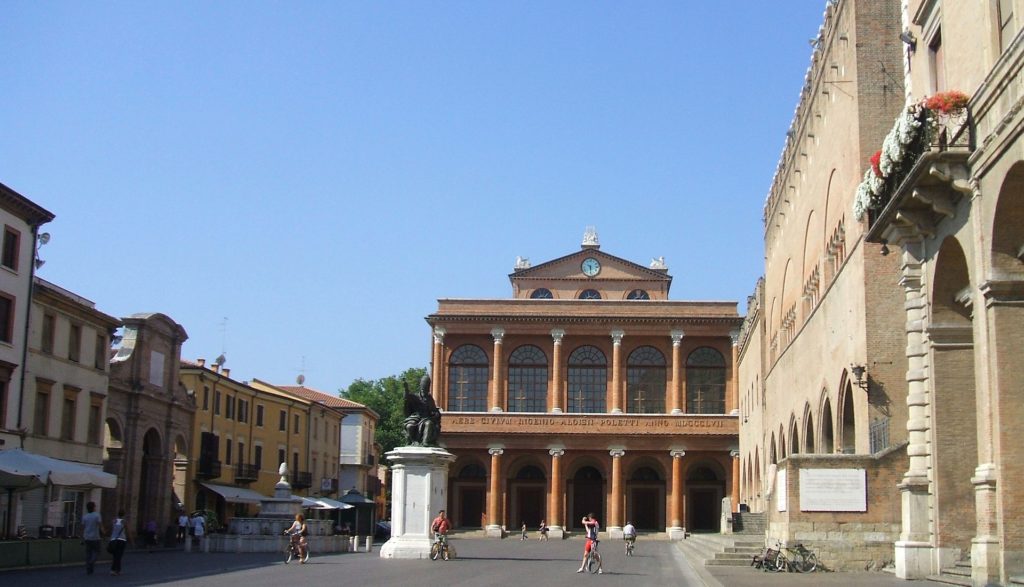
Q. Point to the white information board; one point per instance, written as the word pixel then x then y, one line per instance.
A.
pixel 780 487
pixel 833 490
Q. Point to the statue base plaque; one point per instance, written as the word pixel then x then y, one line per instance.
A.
pixel 419 490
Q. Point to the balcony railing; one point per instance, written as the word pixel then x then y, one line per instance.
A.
pixel 208 468
pixel 246 473
pixel 302 480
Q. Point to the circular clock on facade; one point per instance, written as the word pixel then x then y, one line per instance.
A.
pixel 591 267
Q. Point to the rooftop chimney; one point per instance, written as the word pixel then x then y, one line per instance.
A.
pixel 201 362
pixel 227 372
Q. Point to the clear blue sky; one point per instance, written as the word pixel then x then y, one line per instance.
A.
pixel 321 173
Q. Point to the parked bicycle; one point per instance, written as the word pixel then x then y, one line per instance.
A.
pixel 802 559
pixel 771 559
pixel 441 548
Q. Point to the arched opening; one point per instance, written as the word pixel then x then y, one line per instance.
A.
pixel 527 380
pixel 705 488
pixel 772 453
pixel 954 434
pixel 587 381
pixel 469 492
pixel 150 480
pixel 645 381
pixel 468 379
pixel 827 438
pixel 705 382
pixel 849 422
pixel 794 436
pixel 587 495
pixel 809 431
pixel 645 497
pixel 526 490
pixel 782 444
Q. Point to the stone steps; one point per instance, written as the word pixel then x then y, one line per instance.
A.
pixel 958 574
pixel 746 523
pixel 717 550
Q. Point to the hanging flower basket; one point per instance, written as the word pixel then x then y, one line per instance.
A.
pixel 951 103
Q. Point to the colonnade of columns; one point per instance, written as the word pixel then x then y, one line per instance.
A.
pixel 675 522
pixel 496 400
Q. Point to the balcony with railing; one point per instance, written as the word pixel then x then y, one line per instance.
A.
pixel 301 480
pixel 923 188
pixel 208 469
pixel 328 485
pixel 246 473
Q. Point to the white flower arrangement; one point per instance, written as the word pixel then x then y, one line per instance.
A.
pixel 915 122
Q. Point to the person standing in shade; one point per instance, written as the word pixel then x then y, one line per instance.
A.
pixel 543 530
pixel 183 524
pixel 522 538
pixel 118 542
pixel 91 526
pixel 198 527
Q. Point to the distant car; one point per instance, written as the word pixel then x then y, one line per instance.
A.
pixel 383 531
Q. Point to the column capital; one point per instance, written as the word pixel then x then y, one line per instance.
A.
pixel 556 452
pixel 496 451
pixel 677 336
pixel 617 453
pixel 677 454
pixel 439 333
pixel 557 334
pixel 617 335
pixel 734 454
pixel 734 336
pixel 498 334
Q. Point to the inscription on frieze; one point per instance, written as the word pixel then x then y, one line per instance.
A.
pixel 513 423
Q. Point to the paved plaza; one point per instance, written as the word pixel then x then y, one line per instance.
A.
pixel 480 562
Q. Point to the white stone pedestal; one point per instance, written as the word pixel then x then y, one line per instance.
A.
pixel 419 490
pixel 556 533
pixel 676 532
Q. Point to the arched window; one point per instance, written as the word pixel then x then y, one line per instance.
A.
pixel 588 380
pixel 645 381
pixel 590 294
pixel 530 473
pixel 473 471
pixel 527 380
pixel 541 293
pixel 645 474
pixel 467 379
pixel 705 382
pixel 638 294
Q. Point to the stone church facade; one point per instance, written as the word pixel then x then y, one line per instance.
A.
pixel 587 391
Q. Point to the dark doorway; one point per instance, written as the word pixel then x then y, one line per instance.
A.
pixel 149 507
pixel 529 506
pixel 705 510
pixel 471 507
pixel 587 496
pixel 645 508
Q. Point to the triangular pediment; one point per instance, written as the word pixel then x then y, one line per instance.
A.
pixel 590 267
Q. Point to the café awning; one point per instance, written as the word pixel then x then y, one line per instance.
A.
pixel 235 494
pixel 21 469
pixel 323 503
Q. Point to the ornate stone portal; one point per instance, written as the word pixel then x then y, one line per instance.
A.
pixel 419 491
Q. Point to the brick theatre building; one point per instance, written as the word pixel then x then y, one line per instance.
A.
pixel 587 391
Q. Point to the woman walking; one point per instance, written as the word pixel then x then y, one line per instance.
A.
pixel 118 542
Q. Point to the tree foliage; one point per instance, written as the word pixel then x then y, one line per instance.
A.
pixel 386 396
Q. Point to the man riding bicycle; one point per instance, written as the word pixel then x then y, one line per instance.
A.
pixel 440 526
pixel 592 527
pixel 629 535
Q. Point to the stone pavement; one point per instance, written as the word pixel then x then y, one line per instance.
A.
pixel 479 562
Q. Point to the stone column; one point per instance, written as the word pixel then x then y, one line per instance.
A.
pixel 437 370
pixel 556 371
pixel 497 399
pixel 493 528
pixel 732 387
pixel 556 529
pixel 734 483
pixel 676 530
pixel 914 558
pixel 615 509
pixel 676 393
pixel 617 371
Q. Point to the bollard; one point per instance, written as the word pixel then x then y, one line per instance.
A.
pixel 352 544
pixel 369 543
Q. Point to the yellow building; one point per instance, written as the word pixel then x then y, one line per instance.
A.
pixel 324 435
pixel 241 435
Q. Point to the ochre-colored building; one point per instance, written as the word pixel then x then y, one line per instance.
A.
pixel 587 391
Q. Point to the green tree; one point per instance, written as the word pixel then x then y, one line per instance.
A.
pixel 386 396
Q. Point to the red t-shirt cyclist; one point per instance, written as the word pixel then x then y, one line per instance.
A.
pixel 440 525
